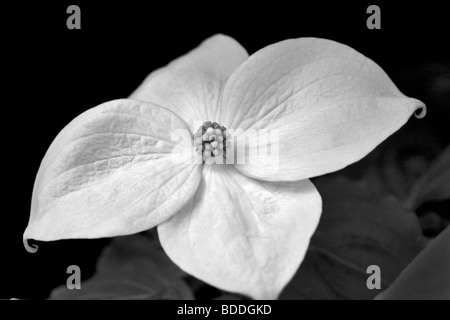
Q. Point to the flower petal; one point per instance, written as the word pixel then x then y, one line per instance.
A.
pixel 110 172
pixel 191 85
pixel 243 235
pixel 331 105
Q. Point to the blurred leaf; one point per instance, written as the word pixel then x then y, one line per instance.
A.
pixel 202 290
pixel 229 296
pixel 131 268
pixel 434 184
pixel 432 224
pixel 427 277
pixel 359 227
pixel 400 173
pixel 404 158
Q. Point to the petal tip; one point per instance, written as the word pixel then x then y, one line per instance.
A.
pixel 33 248
pixel 220 36
pixel 421 111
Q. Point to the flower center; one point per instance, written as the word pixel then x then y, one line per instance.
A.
pixel 211 141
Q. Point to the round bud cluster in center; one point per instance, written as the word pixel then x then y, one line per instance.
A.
pixel 210 141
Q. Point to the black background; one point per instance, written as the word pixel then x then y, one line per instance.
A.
pixel 53 74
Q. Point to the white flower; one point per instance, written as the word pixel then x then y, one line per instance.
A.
pixel 244 227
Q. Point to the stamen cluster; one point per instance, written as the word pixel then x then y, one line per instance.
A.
pixel 211 141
